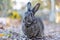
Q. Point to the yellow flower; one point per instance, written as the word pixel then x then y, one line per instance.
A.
pixel 15 15
pixel 1 35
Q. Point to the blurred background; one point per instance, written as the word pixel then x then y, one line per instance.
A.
pixel 49 9
pixel 12 13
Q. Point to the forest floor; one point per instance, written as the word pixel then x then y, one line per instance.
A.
pixel 52 31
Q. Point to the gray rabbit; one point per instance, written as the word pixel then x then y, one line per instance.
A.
pixel 33 26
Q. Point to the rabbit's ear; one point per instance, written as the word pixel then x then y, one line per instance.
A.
pixel 35 9
pixel 29 5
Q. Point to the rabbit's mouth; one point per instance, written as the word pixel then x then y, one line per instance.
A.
pixel 29 23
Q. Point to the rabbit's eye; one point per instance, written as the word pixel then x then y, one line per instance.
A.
pixel 31 15
pixel 25 17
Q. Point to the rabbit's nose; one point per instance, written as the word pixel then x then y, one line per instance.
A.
pixel 28 21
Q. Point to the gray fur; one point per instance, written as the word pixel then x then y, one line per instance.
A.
pixel 33 26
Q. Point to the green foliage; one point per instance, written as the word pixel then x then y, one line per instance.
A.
pixel 42 4
pixel 0 8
